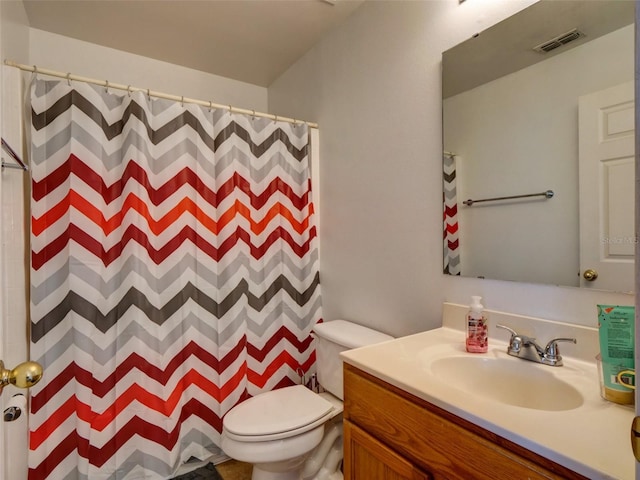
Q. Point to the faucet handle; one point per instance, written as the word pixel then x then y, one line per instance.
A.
pixel 551 350
pixel 509 329
pixel 515 342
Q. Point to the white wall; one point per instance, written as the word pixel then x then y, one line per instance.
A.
pixel 511 144
pixel 373 84
pixel 65 54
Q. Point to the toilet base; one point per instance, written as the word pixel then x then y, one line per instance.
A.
pixel 286 470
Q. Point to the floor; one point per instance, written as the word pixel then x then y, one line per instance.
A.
pixel 234 470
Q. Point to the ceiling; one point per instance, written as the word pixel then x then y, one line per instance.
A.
pixel 252 41
pixel 509 45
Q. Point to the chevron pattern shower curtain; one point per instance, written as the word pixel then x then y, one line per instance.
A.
pixel 451 244
pixel 174 273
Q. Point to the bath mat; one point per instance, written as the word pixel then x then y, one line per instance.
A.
pixel 208 472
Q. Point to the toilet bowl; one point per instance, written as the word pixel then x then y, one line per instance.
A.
pixel 293 433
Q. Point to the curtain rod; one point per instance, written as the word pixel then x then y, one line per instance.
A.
pixel 151 93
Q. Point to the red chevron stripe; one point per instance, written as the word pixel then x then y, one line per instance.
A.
pixel 186 205
pixel 453 245
pixel 284 358
pixel 186 176
pixel 133 233
pixel 134 361
pixel 66 410
pixel 166 407
pixel 451 229
pixel 135 427
pixel 100 388
pixel 451 211
pixel 135 393
pixel 283 333
pixel 284 382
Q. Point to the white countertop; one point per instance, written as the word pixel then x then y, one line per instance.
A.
pixel 592 439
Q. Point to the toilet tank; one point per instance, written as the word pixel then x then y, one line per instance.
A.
pixel 334 337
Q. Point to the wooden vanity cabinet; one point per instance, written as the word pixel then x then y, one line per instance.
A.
pixel 390 434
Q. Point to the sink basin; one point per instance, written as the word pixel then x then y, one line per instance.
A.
pixel 510 381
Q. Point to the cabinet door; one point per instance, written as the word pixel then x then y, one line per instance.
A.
pixel 365 458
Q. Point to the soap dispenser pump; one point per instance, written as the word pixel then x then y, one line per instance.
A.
pixel 477 328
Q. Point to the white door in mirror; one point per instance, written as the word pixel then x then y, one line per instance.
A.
pixel 606 173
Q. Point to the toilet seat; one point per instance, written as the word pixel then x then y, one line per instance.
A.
pixel 278 414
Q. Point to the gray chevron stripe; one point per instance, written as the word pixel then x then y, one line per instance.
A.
pixel 299 131
pixel 152 463
pixel 44 152
pixel 448 165
pixel 454 261
pixel 43 88
pixel 449 168
pixel 449 177
pixel 135 298
pixel 450 195
pixel 40 120
pixel 76 338
pixel 139 266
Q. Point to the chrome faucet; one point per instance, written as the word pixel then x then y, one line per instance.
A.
pixel 526 348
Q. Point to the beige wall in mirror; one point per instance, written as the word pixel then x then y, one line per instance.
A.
pixel 516 131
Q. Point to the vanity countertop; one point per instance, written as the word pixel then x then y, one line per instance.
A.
pixel 592 439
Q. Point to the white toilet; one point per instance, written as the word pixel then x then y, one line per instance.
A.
pixel 293 433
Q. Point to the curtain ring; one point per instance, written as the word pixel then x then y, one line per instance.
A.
pixel 210 105
pixel 182 101
pixel 129 90
pixel 69 78
pixel 230 109
pixel 106 86
pixel 35 70
pixel 295 123
pixel 253 115
pixel 148 94
pixel 275 120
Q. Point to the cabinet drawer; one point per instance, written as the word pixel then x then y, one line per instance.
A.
pixel 371 459
pixel 438 442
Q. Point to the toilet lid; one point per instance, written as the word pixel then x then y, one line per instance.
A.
pixel 277 411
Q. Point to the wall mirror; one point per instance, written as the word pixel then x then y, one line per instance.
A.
pixel 542 101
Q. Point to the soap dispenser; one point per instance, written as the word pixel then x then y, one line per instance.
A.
pixel 477 328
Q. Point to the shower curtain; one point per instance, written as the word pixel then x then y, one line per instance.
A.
pixel 451 253
pixel 174 272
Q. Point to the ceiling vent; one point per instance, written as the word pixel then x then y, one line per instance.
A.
pixel 559 41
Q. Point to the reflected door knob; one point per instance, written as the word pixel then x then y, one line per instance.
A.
pixel 24 375
pixel 590 275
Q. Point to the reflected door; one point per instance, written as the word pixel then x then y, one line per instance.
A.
pixel 606 175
